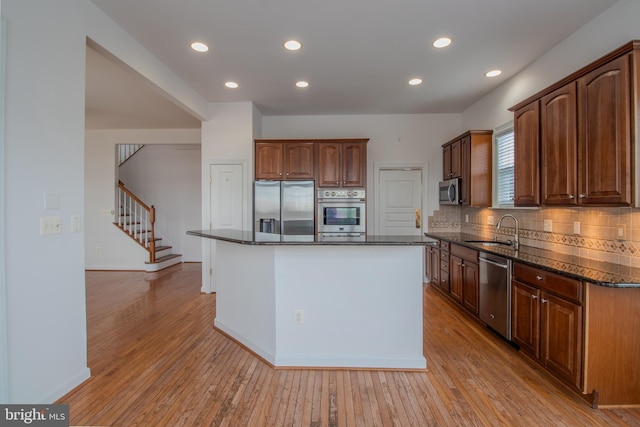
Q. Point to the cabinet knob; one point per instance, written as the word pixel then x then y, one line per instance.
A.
pixel 544 300
pixel 571 196
pixel 582 195
pixel 539 277
pixel 337 183
pixel 443 280
pixel 534 296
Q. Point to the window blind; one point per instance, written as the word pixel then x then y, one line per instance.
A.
pixel 505 160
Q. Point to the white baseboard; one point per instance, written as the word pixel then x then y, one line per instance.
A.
pixel 63 389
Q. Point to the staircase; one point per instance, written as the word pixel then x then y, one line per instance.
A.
pixel 137 220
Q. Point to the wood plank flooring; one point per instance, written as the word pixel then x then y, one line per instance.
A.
pixel 157 361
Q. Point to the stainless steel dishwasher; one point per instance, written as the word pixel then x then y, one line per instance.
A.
pixel 495 292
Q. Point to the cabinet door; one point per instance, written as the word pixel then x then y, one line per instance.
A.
pixel 525 318
pixel 561 338
pixel 455 278
pixel 446 162
pixel 456 159
pixel 527 155
pixel 465 170
pixel 354 164
pixel 329 164
pixel 268 158
pixel 604 135
pixel 470 286
pixel 558 145
pixel 433 263
pixel 298 160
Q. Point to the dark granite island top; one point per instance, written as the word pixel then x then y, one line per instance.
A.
pixel 584 269
pixel 256 238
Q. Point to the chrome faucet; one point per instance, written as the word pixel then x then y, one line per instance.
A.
pixel 515 238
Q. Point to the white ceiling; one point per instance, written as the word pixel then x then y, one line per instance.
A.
pixel 357 55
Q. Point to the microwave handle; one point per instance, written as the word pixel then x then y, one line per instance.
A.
pixel 450 190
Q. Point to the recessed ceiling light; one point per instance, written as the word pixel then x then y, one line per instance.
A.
pixel 414 82
pixel 292 45
pixel 493 73
pixel 231 85
pixel 302 83
pixel 199 47
pixel 442 42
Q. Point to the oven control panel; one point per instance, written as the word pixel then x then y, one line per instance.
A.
pixel 341 194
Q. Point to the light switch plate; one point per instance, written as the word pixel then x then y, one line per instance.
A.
pixel 576 227
pixel 75 223
pixel 548 225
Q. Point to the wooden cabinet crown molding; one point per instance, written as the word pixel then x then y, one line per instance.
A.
pixel 622 50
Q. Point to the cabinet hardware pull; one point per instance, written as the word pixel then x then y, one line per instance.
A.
pixel 544 300
pixel 539 277
pixel 582 195
pixel 442 280
pixel 571 196
pixel 534 296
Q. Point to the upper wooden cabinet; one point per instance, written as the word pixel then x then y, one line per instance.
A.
pixel 605 134
pixel 583 128
pixel 526 126
pixel 469 158
pixel 559 146
pixel 284 160
pixel 342 163
pixel 451 160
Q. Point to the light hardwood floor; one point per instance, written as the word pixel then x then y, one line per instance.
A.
pixel 157 361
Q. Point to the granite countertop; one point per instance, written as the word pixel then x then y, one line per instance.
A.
pixel 588 270
pixel 256 238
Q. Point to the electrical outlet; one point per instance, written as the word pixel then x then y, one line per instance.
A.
pixel 576 227
pixel 548 225
pixel 490 220
pixel 50 225
pixel 621 231
pixel 466 218
pixel 298 317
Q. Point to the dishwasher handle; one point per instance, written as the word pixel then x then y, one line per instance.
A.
pixel 498 264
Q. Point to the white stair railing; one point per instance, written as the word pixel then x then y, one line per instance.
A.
pixel 125 151
pixel 136 219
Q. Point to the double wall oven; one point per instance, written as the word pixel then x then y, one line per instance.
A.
pixel 341 214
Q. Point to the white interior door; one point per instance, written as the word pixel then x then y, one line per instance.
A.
pixel 400 202
pixel 227 196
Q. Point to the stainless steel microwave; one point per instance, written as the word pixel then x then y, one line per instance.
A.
pixel 449 192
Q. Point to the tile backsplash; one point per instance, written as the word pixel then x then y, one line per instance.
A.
pixel 587 232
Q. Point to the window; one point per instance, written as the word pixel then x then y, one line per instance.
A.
pixel 503 143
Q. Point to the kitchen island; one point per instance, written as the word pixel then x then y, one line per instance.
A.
pixel 297 301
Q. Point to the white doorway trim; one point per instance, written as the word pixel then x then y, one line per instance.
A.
pixel 377 167
pixel 209 245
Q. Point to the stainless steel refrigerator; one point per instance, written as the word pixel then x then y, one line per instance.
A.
pixel 284 207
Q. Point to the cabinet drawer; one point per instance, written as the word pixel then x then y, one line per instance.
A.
pixel 552 282
pixel 444 266
pixel 444 280
pixel 465 253
pixel 444 256
pixel 444 246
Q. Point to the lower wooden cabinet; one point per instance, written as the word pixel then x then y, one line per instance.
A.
pixel 463 283
pixel 432 264
pixel 549 329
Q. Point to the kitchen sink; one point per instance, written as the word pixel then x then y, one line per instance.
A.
pixel 491 242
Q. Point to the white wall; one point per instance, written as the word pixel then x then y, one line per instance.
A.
pixel 393 139
pixel 168 177
pixel 116 250
pixel 611 29
pixel 44 154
